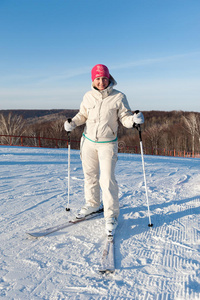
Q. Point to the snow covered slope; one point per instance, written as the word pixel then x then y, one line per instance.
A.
pixel 162 262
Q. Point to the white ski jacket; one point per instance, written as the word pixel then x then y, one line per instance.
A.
pixel 101 110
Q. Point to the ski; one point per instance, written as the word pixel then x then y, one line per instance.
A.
pixel 108 256
pixel 74 221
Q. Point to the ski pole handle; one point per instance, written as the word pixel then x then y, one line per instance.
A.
pixel 137 126
pixel 140 132
pixel 69 132
pixel 138 119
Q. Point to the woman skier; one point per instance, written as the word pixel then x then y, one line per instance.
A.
pixel 100 111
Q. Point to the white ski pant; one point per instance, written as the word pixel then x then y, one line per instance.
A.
pixel 99 161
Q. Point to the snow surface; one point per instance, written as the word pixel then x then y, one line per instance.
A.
pixel 162 262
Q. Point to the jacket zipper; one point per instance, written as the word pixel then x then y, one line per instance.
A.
pixel 98 119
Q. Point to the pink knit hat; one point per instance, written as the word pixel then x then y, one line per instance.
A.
pixel 100 71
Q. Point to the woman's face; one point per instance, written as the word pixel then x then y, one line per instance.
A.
pixel 101 83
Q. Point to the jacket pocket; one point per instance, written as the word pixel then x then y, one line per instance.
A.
pixel 107 131
pixel 91 112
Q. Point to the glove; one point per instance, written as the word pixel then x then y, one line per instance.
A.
pixel 138 117
pixel 69 125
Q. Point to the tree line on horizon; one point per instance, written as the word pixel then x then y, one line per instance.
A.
pixel 162 130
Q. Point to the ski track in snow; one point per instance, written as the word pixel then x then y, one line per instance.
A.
pixel 158 263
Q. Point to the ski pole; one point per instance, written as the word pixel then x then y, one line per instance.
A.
pixel 138 127
pixel 69 147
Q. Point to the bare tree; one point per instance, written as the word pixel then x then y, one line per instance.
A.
pixel 154 134
pixel 192 123
pixel 11 125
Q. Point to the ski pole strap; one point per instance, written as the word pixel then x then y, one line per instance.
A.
pixel 100 142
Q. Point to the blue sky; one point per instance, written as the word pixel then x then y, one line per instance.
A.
pixel 48 47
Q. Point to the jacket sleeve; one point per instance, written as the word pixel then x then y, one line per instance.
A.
pixel 124 113
pixel 81 117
